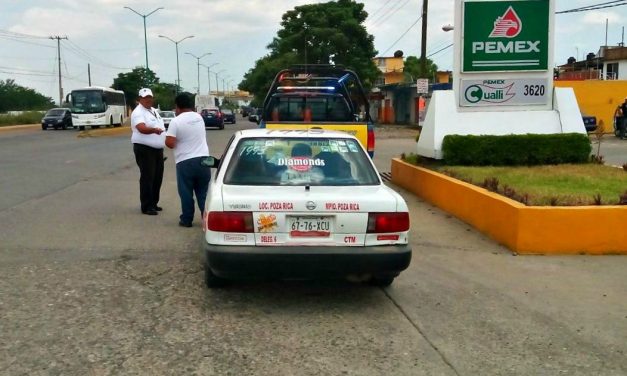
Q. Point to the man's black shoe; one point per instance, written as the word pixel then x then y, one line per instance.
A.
pixel 150 212
pixel 158 208
pixel 185 224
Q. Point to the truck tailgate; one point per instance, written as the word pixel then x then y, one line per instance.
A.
pixel 359 130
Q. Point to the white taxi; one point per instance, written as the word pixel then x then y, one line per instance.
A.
pixel 301 204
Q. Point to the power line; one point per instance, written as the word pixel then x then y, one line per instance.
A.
pixel 21 35
pixel 380 8
pixel 390 14
pixel 401 37
pixel 13 39
pixel 441 49
pixel 609 4
pixel 385 13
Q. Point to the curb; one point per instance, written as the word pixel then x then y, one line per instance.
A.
pixel 531 230
pixel 104 132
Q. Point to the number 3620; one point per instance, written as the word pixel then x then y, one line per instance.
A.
pixel 534 90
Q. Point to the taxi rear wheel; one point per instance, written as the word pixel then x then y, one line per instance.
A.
pixel 212 280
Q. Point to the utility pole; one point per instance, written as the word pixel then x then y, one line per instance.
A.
pixel 198 66
pixel 89 73
pixel 423 46
pixel 58 38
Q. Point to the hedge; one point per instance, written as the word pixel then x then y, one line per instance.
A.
pixel 516 150
pixel 31 117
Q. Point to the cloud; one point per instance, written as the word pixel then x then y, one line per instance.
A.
pixel 598 17
pixel 43 21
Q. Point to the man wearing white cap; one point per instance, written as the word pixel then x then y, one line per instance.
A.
pixel 148 142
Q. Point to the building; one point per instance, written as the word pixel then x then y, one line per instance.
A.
pixel 391 69
pixel 610 63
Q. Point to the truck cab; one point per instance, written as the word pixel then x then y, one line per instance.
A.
pixel 319 96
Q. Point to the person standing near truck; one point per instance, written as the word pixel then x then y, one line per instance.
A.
pixel 622 124
pixel 186 135
pixel 148 143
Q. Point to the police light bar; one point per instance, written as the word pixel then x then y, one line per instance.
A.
pixel 329 88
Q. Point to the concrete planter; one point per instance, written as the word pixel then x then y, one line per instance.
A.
pixel 523 229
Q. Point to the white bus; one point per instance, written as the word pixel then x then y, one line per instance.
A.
pixel 95 106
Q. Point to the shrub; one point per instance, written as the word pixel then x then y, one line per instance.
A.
pixel 516 150
pixel 31 117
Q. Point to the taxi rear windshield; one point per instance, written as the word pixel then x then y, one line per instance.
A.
pixel 319 108
pixel 300 161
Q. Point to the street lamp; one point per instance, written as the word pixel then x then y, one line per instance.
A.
pixel 209 74
pixel 176 43
pixel 448 27
pixel 145 37
pixel 198 65
pixel 217 83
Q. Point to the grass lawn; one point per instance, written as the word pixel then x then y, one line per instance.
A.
pixel 561 185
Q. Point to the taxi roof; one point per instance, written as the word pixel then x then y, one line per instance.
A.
pixel 293 133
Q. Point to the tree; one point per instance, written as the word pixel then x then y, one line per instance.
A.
pixel 323 33
pixel 14 97
pixel 413 69
pixel 131 82
pixel 164 95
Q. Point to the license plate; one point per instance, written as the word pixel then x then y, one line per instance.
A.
pixel 309 227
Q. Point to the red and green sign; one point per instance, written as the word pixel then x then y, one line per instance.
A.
pixel 502 36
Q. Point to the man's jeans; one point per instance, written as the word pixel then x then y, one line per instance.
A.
pixel 192 177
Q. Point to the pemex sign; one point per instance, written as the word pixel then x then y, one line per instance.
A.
pixel 504 36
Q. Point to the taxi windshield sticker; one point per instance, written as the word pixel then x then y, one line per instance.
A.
pixel 266 223
pixel 300 164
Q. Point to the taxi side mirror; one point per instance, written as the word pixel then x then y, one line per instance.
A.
pixel 210 162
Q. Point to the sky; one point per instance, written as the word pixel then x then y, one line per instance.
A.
pixel 235 32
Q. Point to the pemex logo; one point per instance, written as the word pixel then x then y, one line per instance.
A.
pixel 508 25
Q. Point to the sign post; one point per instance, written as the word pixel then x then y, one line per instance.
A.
pixel 422 87
pixel 502 76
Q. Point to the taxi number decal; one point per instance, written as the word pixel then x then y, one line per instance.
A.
pixel 276 206
pixel 342 206
pixel 268 239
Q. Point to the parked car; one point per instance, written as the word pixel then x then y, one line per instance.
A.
pixel 245 111
pixel 57 118
pixel 229 116
pixel 302 205
pixel 167 117
pixel 213 118
pixel 590 122
pixel 255 115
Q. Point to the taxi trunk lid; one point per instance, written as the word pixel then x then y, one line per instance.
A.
pixel 318 215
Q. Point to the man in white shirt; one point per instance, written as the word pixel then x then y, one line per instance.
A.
pixel 148 142
pixel 186 135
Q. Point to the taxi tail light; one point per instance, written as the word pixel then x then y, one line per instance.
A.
pixel 230 221
pixel 370 146
pixel 387 222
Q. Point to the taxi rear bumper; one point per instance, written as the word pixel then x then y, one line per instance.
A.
pixel 310 262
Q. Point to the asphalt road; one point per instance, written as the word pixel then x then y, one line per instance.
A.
pixel 89 286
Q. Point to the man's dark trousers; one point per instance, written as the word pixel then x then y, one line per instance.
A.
pixel 150 163
pixel 192 178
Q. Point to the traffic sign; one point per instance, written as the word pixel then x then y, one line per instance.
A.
pixel 422 86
